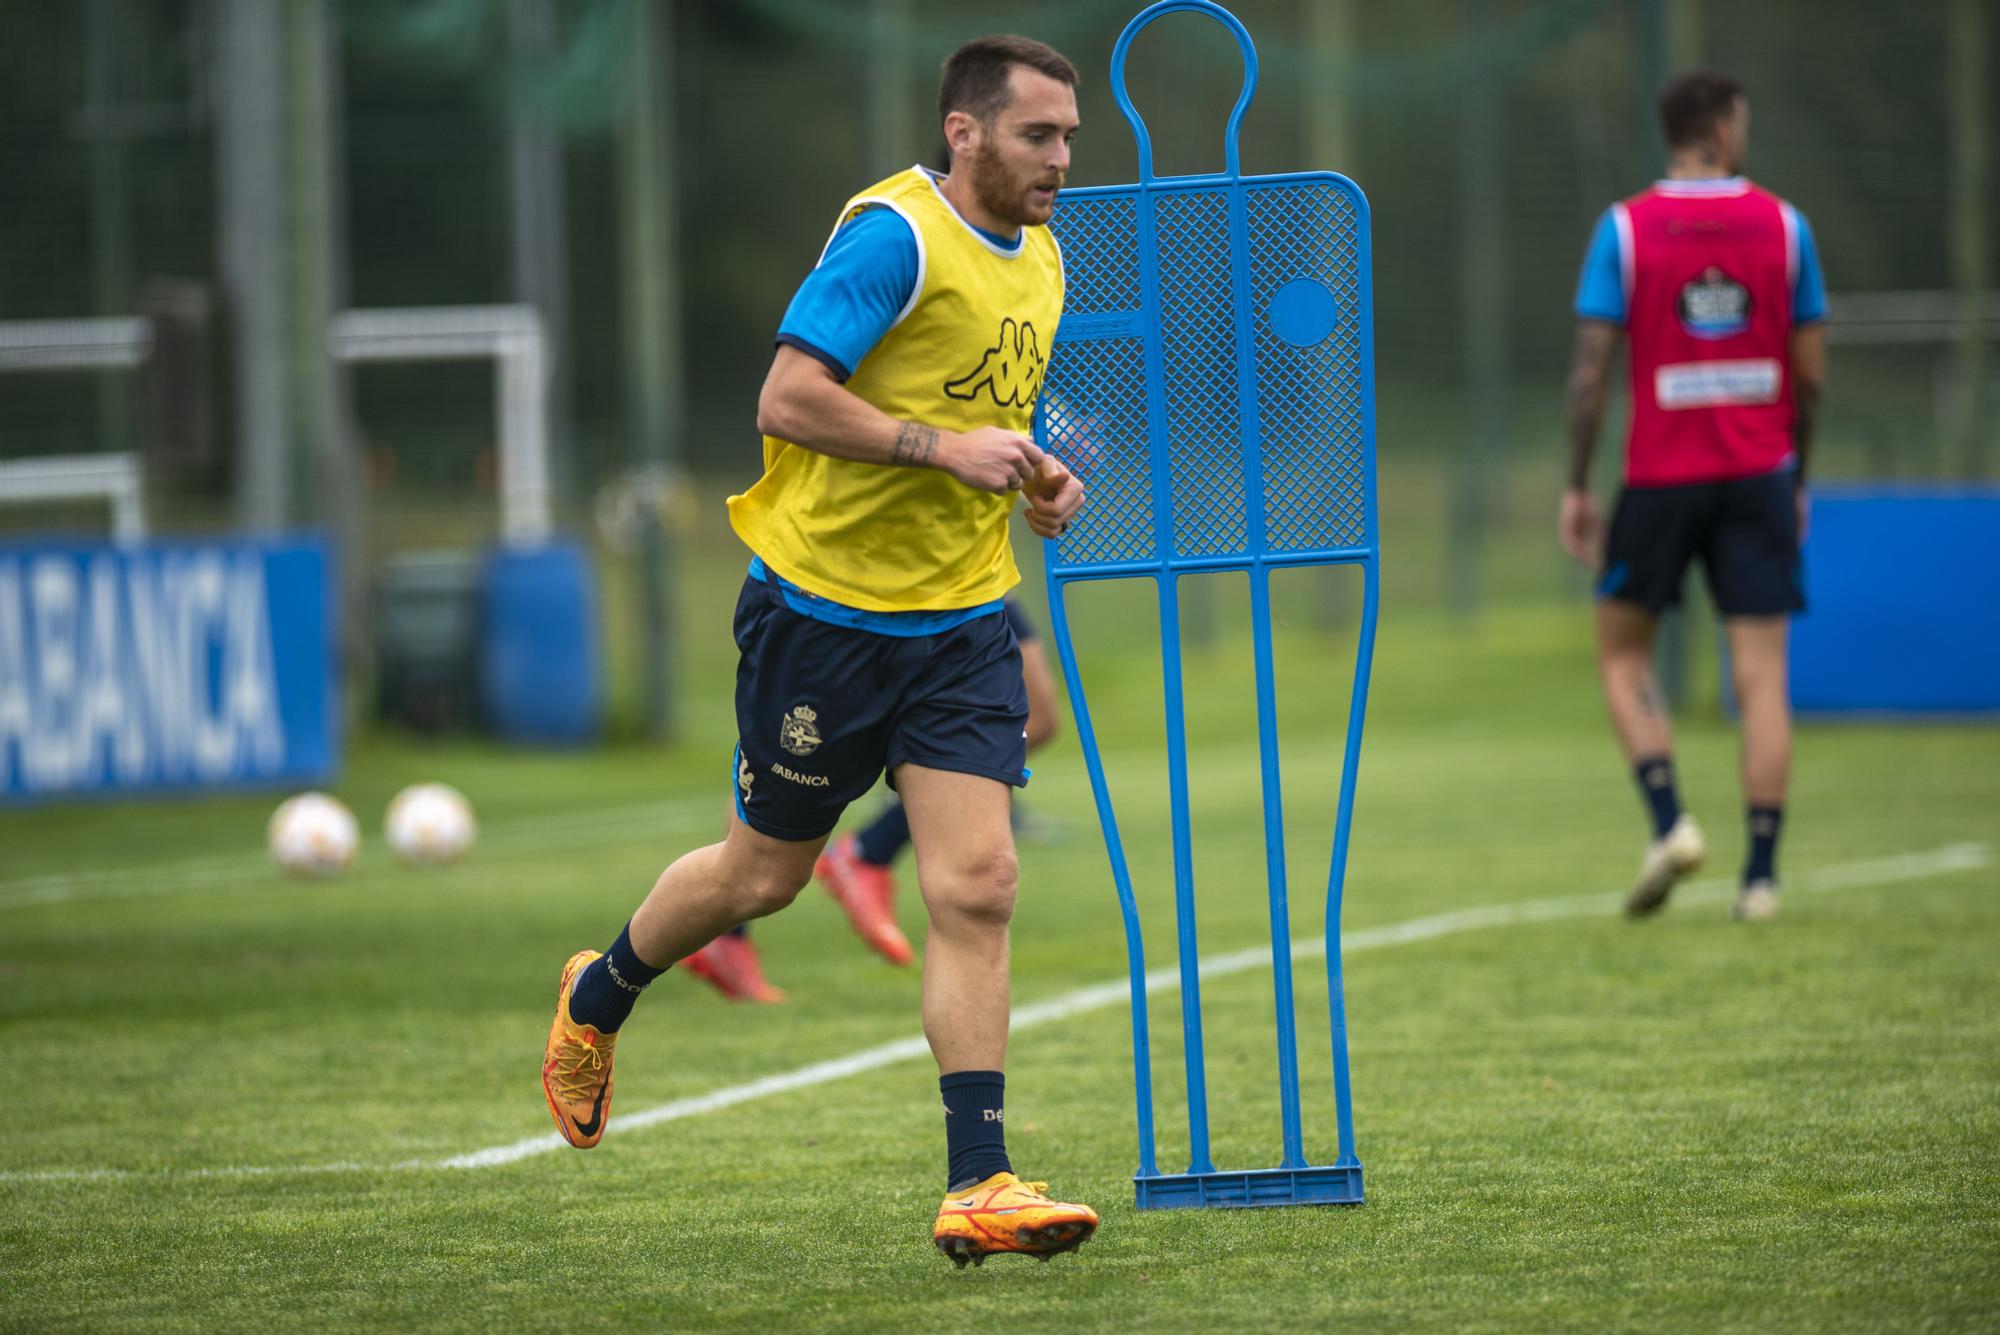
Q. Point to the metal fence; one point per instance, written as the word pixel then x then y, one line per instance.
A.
pixel 653 177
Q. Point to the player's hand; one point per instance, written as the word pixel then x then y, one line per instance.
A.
pixel 1076 434
pixel 990 459
pixel 1054 497
pixel 1580 528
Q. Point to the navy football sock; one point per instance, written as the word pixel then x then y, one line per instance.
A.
pixel 1656 783
pixel 882 841
pixel 975 1132
pixel 607 988
pixel 1762 864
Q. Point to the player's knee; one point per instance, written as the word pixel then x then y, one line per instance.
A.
pixel 1625 665
pixel 758 889
pixel 1757 681
pixel 768 894
pixel 1624 640
pixel 978 888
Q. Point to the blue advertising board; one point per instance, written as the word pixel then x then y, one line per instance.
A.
pixel 166 666
pixel 1900 616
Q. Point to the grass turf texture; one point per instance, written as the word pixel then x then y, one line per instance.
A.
pixel 1584 1123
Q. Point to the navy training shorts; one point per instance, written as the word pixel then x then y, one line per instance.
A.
pixel 1746 533
pixel 822 710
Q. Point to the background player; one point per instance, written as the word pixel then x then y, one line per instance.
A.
pixel 870 629
pixel 1716 286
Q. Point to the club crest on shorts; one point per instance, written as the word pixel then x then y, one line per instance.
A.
pixel 799 733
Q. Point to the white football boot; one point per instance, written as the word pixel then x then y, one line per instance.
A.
pixel 1756 902
pixel 1668 859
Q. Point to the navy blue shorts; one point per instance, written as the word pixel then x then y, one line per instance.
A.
pixel 822 710
pixel 1745 532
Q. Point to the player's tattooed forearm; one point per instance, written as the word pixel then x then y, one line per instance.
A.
pixel 1650 703
pixel 1589 379
pixel 915 444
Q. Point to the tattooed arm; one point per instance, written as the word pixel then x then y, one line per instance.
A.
pixel 802 402
pixel 916 445
pixel 1590 363
pixel 1578 525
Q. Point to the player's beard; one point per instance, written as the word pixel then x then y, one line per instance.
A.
pixel 1005 196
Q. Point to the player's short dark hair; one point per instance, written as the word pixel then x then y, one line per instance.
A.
pixel 975 75
pixel 1692 103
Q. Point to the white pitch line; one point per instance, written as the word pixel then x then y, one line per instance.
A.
pixel 1101 996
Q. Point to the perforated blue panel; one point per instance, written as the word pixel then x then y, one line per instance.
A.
pixel 1314 399
pixel 1254 434
pixel 1104 443
pixel 1097 424
pixel 1109 278
pixel 1198 358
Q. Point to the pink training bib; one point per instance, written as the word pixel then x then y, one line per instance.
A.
pixel 1708 270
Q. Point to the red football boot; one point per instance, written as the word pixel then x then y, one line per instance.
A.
pixel 868 894
pixel 729 963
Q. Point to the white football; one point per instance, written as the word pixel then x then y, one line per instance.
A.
pixel 429 823
pixel 312 835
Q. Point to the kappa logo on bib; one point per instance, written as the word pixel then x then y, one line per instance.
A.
pixel 1010 372
pixel 1714 305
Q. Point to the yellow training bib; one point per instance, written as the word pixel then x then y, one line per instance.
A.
pixel 967 351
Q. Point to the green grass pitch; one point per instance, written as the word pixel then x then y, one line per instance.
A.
pixel 230 1093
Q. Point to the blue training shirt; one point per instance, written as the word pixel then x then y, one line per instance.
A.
pixel 859 288
pixel 1600 288
pixel 853 296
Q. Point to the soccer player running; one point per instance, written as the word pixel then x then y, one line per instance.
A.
pixel 870 631
pixel 1716 286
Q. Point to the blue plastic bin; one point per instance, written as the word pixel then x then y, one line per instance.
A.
pixel 541 661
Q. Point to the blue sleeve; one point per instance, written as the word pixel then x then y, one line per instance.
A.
pixel 855 292
pixel 1600 288
pixel 1809 286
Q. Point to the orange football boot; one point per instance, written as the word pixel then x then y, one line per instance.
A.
pixel 1005 1214
pixel 868 894
pixel 576 1067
